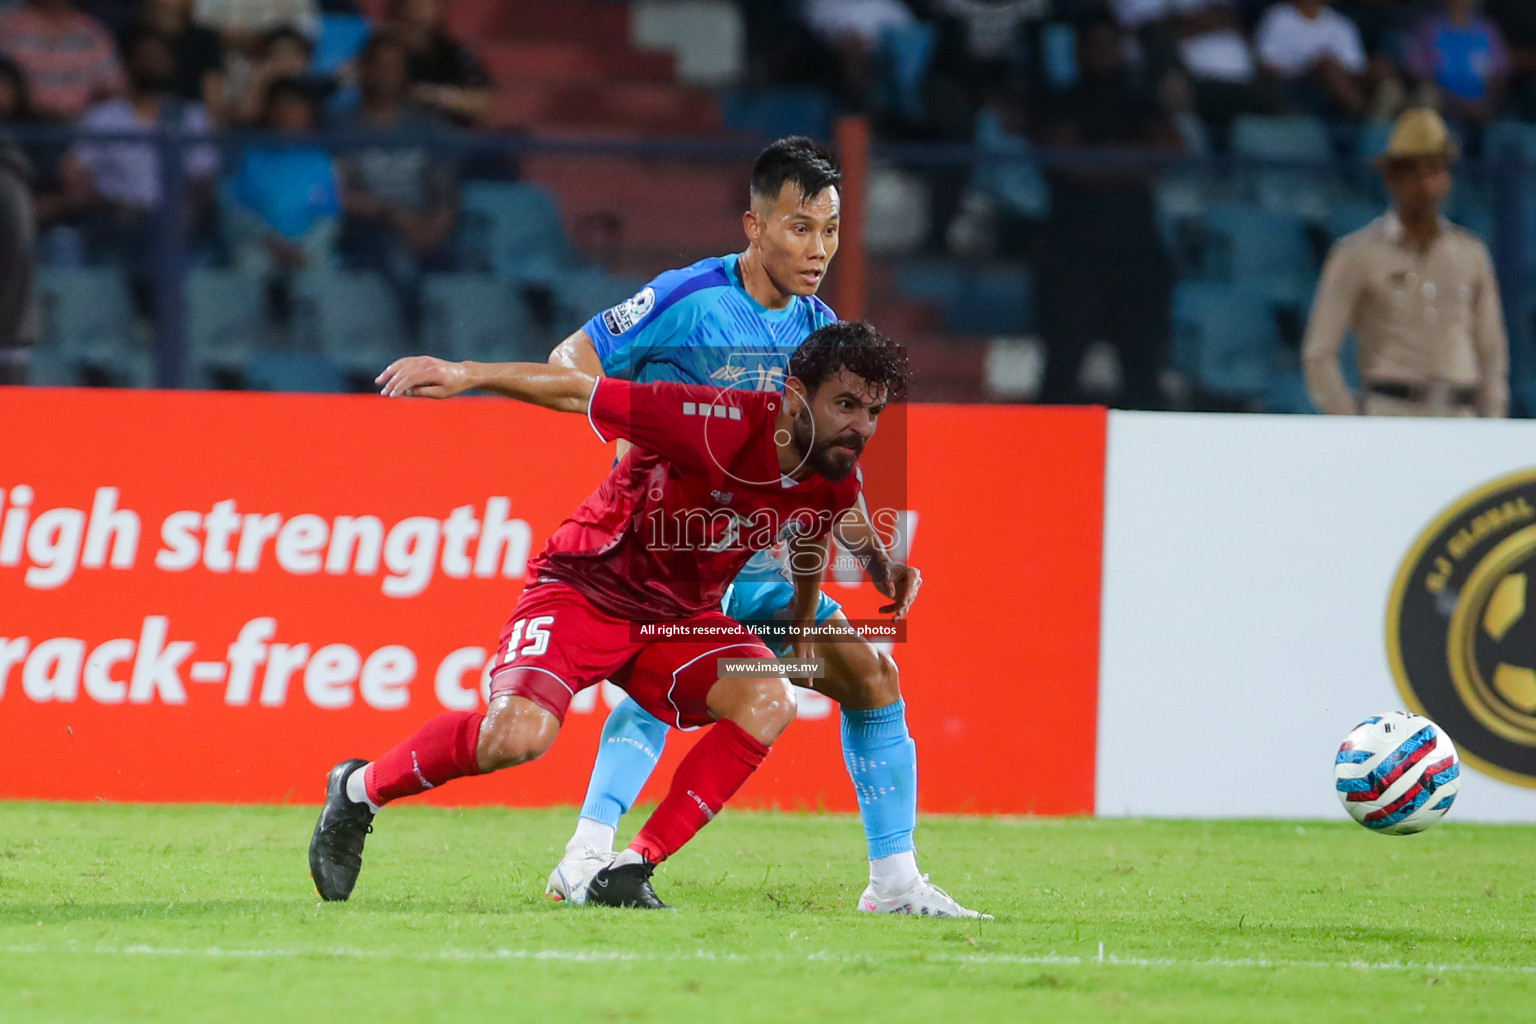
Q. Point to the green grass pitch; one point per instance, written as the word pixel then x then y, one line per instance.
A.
pixel 206 913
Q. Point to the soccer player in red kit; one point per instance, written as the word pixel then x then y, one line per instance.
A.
pixel 713 475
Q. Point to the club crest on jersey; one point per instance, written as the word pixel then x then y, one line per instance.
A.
pixel 762 377
pixel 792 528
pixel 723 497
pixel 626 314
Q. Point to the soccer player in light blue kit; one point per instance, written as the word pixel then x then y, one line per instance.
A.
pixel 734 321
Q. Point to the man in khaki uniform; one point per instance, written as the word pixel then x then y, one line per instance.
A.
pixel 1420 295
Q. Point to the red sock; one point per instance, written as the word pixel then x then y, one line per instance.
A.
pixel 441 750
pixel 709 776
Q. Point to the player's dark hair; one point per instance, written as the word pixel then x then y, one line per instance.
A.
pixel 794 159
pixel 856 345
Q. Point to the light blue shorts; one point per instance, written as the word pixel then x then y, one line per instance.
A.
pixel 749 601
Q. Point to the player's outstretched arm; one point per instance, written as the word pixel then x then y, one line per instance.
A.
pixel 553 387
pixel 578 353
pixel 896 581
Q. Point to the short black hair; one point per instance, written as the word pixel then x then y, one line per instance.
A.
pixel 136 36
pixel 289 32
pixel 379 39
pixel 794 159
pixel 856 345
pixel 288 88
pixel 11 70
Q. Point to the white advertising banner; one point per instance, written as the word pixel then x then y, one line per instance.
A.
pixel 1269 582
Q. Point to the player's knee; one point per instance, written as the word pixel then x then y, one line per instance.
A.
pixel 876 682
pixel 516 731
pixel 884 683
pixel 763 708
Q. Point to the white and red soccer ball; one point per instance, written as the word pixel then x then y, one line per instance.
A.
pixel 1397 773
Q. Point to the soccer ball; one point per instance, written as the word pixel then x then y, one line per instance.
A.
pixel 1397 773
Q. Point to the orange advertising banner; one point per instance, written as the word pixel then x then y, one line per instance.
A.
pixel 214 597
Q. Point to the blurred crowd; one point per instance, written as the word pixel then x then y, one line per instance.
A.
pixel 928 68
pixel 114 69
pixel 1103 244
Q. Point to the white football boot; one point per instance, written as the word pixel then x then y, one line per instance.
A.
pixel 923 899
pixel 568 882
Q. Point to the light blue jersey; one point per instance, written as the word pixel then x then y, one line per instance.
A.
pixel 699 325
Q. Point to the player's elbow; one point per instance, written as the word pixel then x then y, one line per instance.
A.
pixel 577 353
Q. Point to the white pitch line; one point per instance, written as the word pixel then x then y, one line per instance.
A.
pixel 618 956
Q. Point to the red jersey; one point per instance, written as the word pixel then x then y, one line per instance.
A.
pixel 679 516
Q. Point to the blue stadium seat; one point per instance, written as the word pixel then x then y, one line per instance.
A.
pixel 775 113
pixel 1372 140
pixel 936 282
pixel 1262 248
pixel 1307 190
pixel 996 299
pixel 1347 218
pixel 992 299
pixel 1226 337
pixel 87 313
pixel 1504 135
pixel 1479 219
pixel 1009 172
pixel 582 295
pixel 225 321
pixel 477 316
pixel 51 369
pixel 1287 393
pixel 294 371
pixel 514 229
pixel 353 317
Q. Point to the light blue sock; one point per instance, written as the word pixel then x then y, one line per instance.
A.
pixel 882 762
pixel 631 746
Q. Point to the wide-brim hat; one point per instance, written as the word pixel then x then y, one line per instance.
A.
pixel 1419 133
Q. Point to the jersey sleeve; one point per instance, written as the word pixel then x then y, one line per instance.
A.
pixel 845 495
pixel 663 313
pixel 689 424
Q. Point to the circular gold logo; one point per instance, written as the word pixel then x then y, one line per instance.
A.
pixel 1461 626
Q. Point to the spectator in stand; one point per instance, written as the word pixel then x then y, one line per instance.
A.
pixel 400 201
pixel 1517 20
pixel 1385 26
pixel 68 57
pixel 286 53
pixel 287 201
pixel 1220 62
pixel 199 53
pixel 1319 56
pixel 976 55
pixel 1106 275
pixel 43 155
pixel 1461 55
pixel 852 29
pixel 243 26
pixel 18 314
pixel 445 75
pixel 117 187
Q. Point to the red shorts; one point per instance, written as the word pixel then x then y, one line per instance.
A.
pixel 558 643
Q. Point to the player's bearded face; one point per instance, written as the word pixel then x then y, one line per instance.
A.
pixel 830 431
